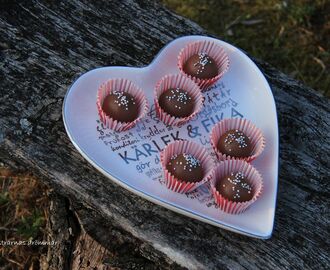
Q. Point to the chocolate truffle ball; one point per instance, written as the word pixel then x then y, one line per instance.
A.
pixel 121 106
pixel 201 66
pixel 186 168
pixel 176 102
pixel 235 187
pixel 235 143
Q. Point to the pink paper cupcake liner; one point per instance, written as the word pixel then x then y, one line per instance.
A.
pixel 177 81
pixel 187 147
pixel 225 168
pixel 255 135
pixel 213 50
pixel 123 85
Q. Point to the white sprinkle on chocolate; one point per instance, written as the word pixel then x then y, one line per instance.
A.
pixel 122 99
pixel 203 60
pixel 236 137
pixel 180 96
pixel 237 179
pixel 192 162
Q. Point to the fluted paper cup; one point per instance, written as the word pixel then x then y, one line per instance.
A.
pixel 213 50
pixel 120 85
pixel 255 135
pixel 185 147
pixel 226 167
pixel 182 82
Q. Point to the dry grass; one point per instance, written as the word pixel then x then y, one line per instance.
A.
pixel 23 204
pixel 291 35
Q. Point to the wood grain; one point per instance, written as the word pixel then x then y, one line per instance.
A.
pixel 46 45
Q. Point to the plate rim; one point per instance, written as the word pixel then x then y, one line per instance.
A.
pixel 169 205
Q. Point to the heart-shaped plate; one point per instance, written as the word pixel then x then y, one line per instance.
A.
pixel 131 158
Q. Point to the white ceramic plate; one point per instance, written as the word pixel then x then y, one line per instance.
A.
pixel 242 92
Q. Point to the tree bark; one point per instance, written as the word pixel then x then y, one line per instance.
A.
pixel 62 230
pixel 46 45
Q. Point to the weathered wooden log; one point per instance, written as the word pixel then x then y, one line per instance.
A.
pixel 62 231
pixel 46 45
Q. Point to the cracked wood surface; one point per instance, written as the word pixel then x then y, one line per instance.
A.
pixel 46 45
